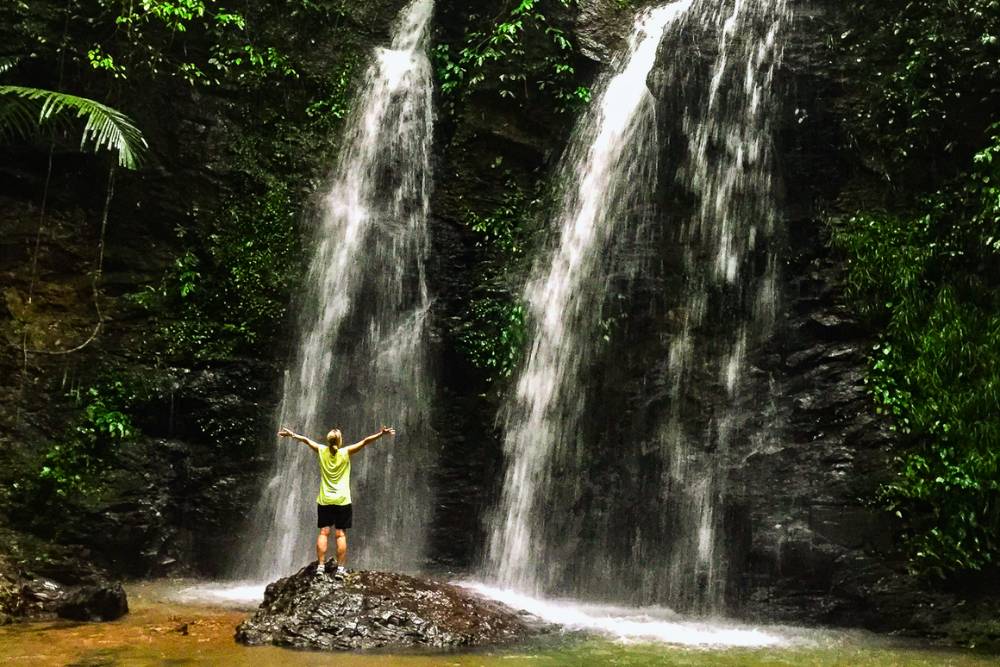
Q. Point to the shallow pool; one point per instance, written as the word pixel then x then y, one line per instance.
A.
pixel 186 623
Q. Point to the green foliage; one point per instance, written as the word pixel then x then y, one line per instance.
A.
pixel 928 68
pixel 73 466
pixel 493 334
pixel 504 228
pixel 203 42
pixel 8 63
pixel 333 102
pixel 493 331
pixel 517 55
pixel 24 110
pixel 151 36
pixel 931 280
pixel 227 294
pixel 927 273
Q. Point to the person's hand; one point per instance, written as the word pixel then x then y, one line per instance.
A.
pixel 285 433
pixel 387 430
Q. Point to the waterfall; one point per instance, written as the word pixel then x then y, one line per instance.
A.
pixel 608 173
pixel 729 298
pixel 361 359
pixel 630 505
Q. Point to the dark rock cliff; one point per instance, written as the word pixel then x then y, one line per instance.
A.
pixel 800 503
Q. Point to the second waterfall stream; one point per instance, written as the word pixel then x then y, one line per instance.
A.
pixel 673 192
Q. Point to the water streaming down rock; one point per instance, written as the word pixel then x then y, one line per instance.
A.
pixel 629 505
pixel 361 356
pixel 729 295
pixel 608 174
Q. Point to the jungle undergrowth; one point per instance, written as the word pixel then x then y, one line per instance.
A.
pixel 924 270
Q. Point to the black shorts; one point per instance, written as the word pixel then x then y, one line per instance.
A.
pixel 338 516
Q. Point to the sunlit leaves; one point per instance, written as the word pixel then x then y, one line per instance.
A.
pixel 493 333
pixel 152 36
pixel 515 55
pixel 72 466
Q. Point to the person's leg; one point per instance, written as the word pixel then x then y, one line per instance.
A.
pixel 321 541
pixel 341 524
pixel 341 547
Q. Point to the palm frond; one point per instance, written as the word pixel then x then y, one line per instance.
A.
pixel 8 63
pixel 18 118
pixel 104 127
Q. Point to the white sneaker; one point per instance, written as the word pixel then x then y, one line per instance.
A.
pixel 340 572
pixel 320 569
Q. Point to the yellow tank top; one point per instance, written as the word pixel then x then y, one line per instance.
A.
pixel 335 477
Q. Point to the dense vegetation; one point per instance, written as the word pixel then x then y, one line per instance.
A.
pixel 230 281
pixel 521 52
pixel 271 107
pixel 925 267
pixel 507 54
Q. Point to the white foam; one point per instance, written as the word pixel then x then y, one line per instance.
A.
pixel 239 594
pixel 636 624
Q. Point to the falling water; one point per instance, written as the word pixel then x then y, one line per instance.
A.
pixel 361 354
pixel 609 174
pixel 729 298
pixel 634 511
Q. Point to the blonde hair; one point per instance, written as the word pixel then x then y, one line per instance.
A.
pixel 334 439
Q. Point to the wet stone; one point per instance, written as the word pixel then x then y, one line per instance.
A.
pixel 96 603
pixel 374 610
pixel 67 588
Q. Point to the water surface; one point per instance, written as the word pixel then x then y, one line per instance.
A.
pixel 165 630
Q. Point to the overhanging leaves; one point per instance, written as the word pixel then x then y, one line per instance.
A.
pixel 23 110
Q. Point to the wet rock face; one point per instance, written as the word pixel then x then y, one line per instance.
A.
pixel 602 27
pixel 800 496
pixel 802 544
pixel 371 610
pixel 175 502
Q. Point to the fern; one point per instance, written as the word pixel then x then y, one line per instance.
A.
pixel 26 109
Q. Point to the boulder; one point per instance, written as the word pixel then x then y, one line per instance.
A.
pixel 104 602
pixel 65 586
pixel 374 610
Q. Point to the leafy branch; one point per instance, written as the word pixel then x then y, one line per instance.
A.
pixel 515 53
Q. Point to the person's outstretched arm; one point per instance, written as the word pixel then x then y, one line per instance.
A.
pixel 358 446
pixel 285 433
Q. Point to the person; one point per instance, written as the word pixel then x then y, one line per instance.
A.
pixel 333 504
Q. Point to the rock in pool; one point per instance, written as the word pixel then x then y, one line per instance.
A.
pixel 63 585
pixel 369 610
